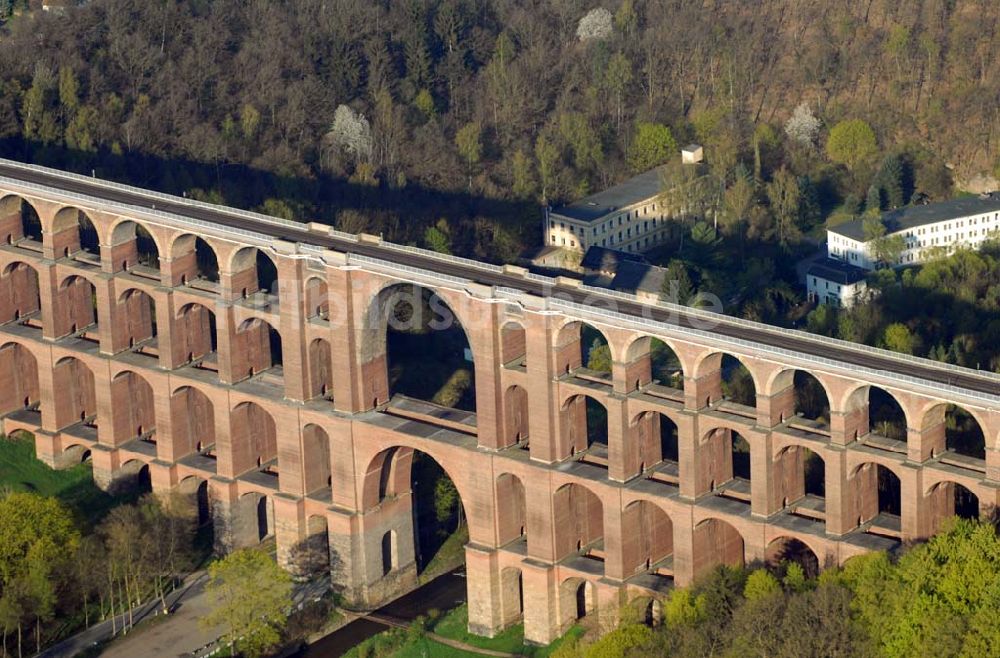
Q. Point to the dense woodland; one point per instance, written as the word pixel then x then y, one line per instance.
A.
pixel 449 123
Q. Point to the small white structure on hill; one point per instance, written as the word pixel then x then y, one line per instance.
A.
pixel 692 154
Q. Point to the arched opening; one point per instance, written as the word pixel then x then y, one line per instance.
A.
pixel 133 408
pixel 722 376
pixel 584 423
pixel 19 388
pixel 192 417
pixel 515 402
pixel 513 346
pixel 253 519
pixel 427 352
pixel 317 298
pixel 578 599
pixel 194 263
pixel 75 454
pixel 389 559
pixel 410 489
pixel 316 459
pixel 876 416
pixel 20 297
pixel 647 537
pixel 194 492
pixel 956 430
pixel 947 499
pixel 254 441
pixel 76 308
pixel 253 272
pixel 133 248
pixel 726 464
pixel 194 338
pixel 737 382
pixel 75 396
pixel 716 542
pixel 656 435
pixel 800 476
pixel 811 400
pixel 311 557
pixel 19 223
pixel 320 370
pixel 74 234
pixel 136 319
pixel 133 479
pixel 511 596
pixel 784 550
pixel 651 361
pixel 512 516
pixel 579 522
pixel 584 351
pixel 256 348
pixel 877 497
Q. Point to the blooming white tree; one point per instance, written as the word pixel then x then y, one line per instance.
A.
pixel 597 24
pixel 352 132
pixel 803 126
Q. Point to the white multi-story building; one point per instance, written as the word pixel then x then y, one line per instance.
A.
pixel 834 282
pixel 932 229
pixel 628 217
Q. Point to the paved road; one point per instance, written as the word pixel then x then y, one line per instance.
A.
pixel 796 342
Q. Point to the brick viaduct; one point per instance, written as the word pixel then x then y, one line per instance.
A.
pixel 276 407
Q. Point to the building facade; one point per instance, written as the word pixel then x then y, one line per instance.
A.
pixel 927 231
pixel 836 283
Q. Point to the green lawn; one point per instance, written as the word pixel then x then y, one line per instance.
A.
pixel 20 471
pixel 449 555
pixel 453 625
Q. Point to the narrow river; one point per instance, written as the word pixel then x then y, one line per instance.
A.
pixel 444 593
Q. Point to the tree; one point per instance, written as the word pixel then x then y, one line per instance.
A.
pixel 546 155
pixel 760 584
pixel 582 139
pixel 653 145
pixel 251 597
pixel 851 143
pixel 884 249
pixel 596 24
pixel 447 504
pixel 599 357
pixel 783 193
pixel 617 77
pixel 438 237
pixel 873 201
pixel 524 181
pixel 469 145
pixel 898 338
pixel 890 179
pixel 350 131
pixel 677 287
pixel 738 199
pixel 802 127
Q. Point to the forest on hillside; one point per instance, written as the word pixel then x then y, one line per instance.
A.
pixel 390 116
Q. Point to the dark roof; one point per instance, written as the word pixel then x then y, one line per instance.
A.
pixel 837 271
pixel 916 216
pixel 595 206
pixel 634 277
pixel 602 259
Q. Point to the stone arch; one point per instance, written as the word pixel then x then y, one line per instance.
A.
pixel 584 425
pixel 254 439
pixel 581 345
pixel 20 294
pixel 716 542
pixel 578 519
pixel 798 472
pixel 317 298
pixel 320 369
pixel 73 232
pixel 874 489
pixel 253 519
pixel 513 344
pixel 577 599
pixel 794 392
pixel 390 552
pixel 653 360
pixel 75 393
pixel 511 596
pixel 256 348
pixel 947 498
pixel 136 318
pixel 133 245
pixel 192 425
pixel 195 336
pixel 725 458
pixel 19 221
pixel 406 319
pixel 75 454
pixel 512 514
pixel 76 307
pixel 647 536
pixel 723 375
pixel 253 270
pixel 872 409
pixel 953 428
pixel 133 477
pixel 133 407
pixel 656 435
pixel 311 556
pixel 793 549
pixel 193 259
pixel 19 387
pixel 515 404
pixel 195 493
pixel 316 457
